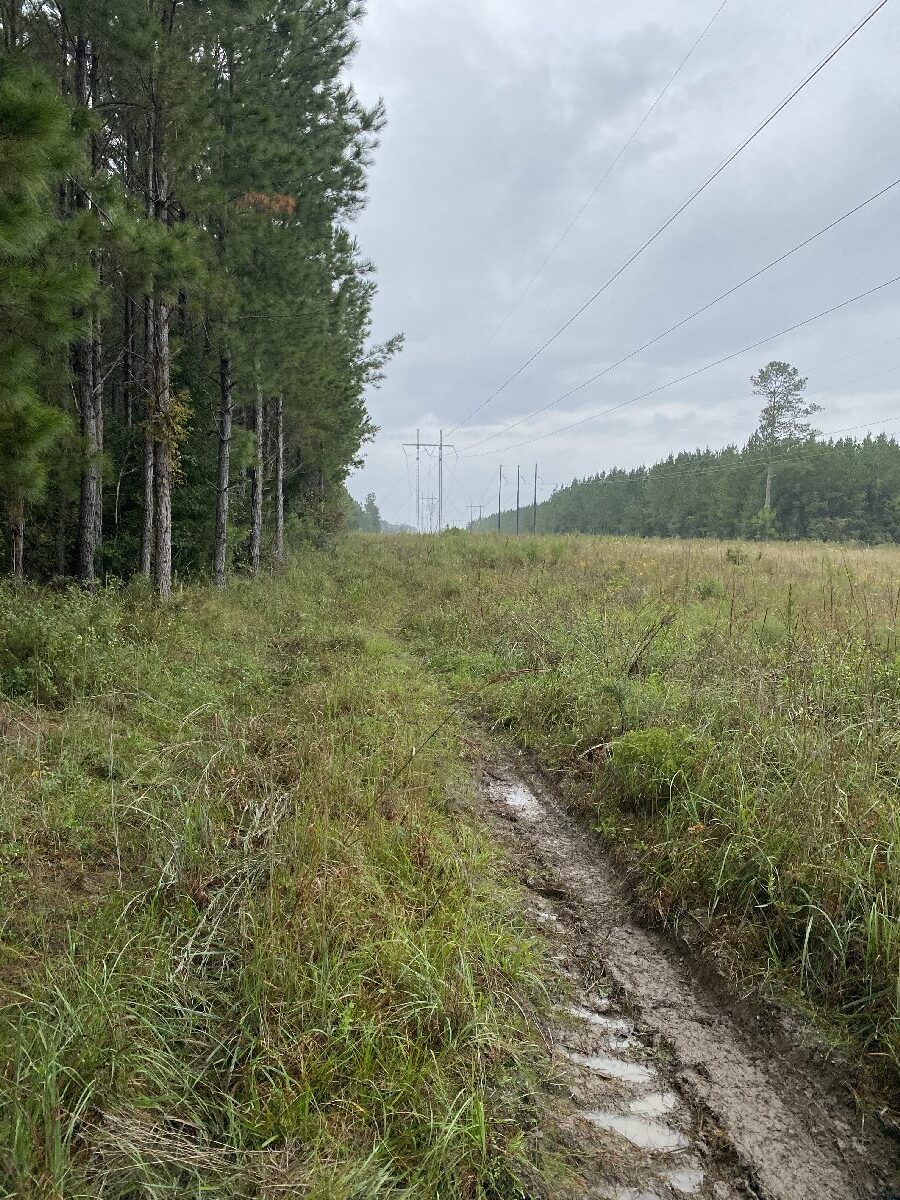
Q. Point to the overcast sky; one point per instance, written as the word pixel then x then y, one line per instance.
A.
pixel 503 115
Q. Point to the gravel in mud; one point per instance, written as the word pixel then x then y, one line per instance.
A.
pixel 667 1093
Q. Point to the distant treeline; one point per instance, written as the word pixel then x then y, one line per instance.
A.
pixel 832 490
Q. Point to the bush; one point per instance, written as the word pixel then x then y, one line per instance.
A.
pixel 710 589
pixel 647 765
pixel 55 647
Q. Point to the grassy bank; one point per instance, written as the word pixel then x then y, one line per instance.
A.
pixel 248 946
pixel 731 714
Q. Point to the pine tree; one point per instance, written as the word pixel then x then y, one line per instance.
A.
pixel 223 157
pixel 783 418
pixel 38 290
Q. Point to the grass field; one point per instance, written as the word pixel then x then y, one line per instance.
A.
pixel 730 714
pixel 251 947
pixel 248 948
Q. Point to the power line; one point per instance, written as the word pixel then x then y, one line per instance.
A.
pixel 698 191
pixel 429 447
pixel 845 383
pixel 856 354
pixel 692 374
pixel 830 433
pixel 685 320
pixel 384 500
pixel 603 178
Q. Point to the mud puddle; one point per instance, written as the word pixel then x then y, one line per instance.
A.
pixel 668 1093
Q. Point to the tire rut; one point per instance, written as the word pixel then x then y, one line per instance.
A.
pixel 670 1093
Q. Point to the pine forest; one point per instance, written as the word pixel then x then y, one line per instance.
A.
pixel 184 310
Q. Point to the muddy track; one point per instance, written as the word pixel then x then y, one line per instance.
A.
pixel 669 1093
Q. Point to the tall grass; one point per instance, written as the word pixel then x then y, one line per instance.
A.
pixel 732 714
pixel 243 953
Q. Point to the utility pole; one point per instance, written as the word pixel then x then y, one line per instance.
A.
pixel 472 508
pixel 534 510
pixel 517 501
pixel 499 499
pixel 421 500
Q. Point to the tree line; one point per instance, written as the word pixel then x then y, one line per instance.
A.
pixel 363 518
pixel 184 311
pixel 785 482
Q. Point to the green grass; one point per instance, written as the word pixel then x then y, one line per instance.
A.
pixel 249 946
pixel 730 714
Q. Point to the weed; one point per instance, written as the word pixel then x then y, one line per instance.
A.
pixel 248 945
pixel 745 750
pixel 711 589
pixel 650 765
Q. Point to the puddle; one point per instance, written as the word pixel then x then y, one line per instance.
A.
pixel 657 1104
pixel 643 1132
pixel 518 797
pixel 613 1068
pixel 687 1181
pixel 615 1024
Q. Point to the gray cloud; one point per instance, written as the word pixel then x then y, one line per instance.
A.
pixel 503 114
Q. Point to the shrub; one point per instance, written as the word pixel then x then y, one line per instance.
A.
pixel 710 589
pixel 648 764
pixel 53 648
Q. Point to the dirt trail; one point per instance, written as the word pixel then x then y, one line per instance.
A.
pixel 670 1094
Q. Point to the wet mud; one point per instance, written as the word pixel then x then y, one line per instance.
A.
pixel 667 1091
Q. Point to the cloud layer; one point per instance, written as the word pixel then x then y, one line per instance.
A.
pixel 503 116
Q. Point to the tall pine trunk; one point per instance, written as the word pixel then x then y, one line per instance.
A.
pixel 147 523
pixel 11 21
pixel 163 456
pixel 88 378
pixel 256 485
pixel 768 504
pixel 17 536
pixel 278 550
pixel 162 423
pixel 88 395
pixel 128 315
pixel 62 547
pixel 128 360
pixel 226 410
